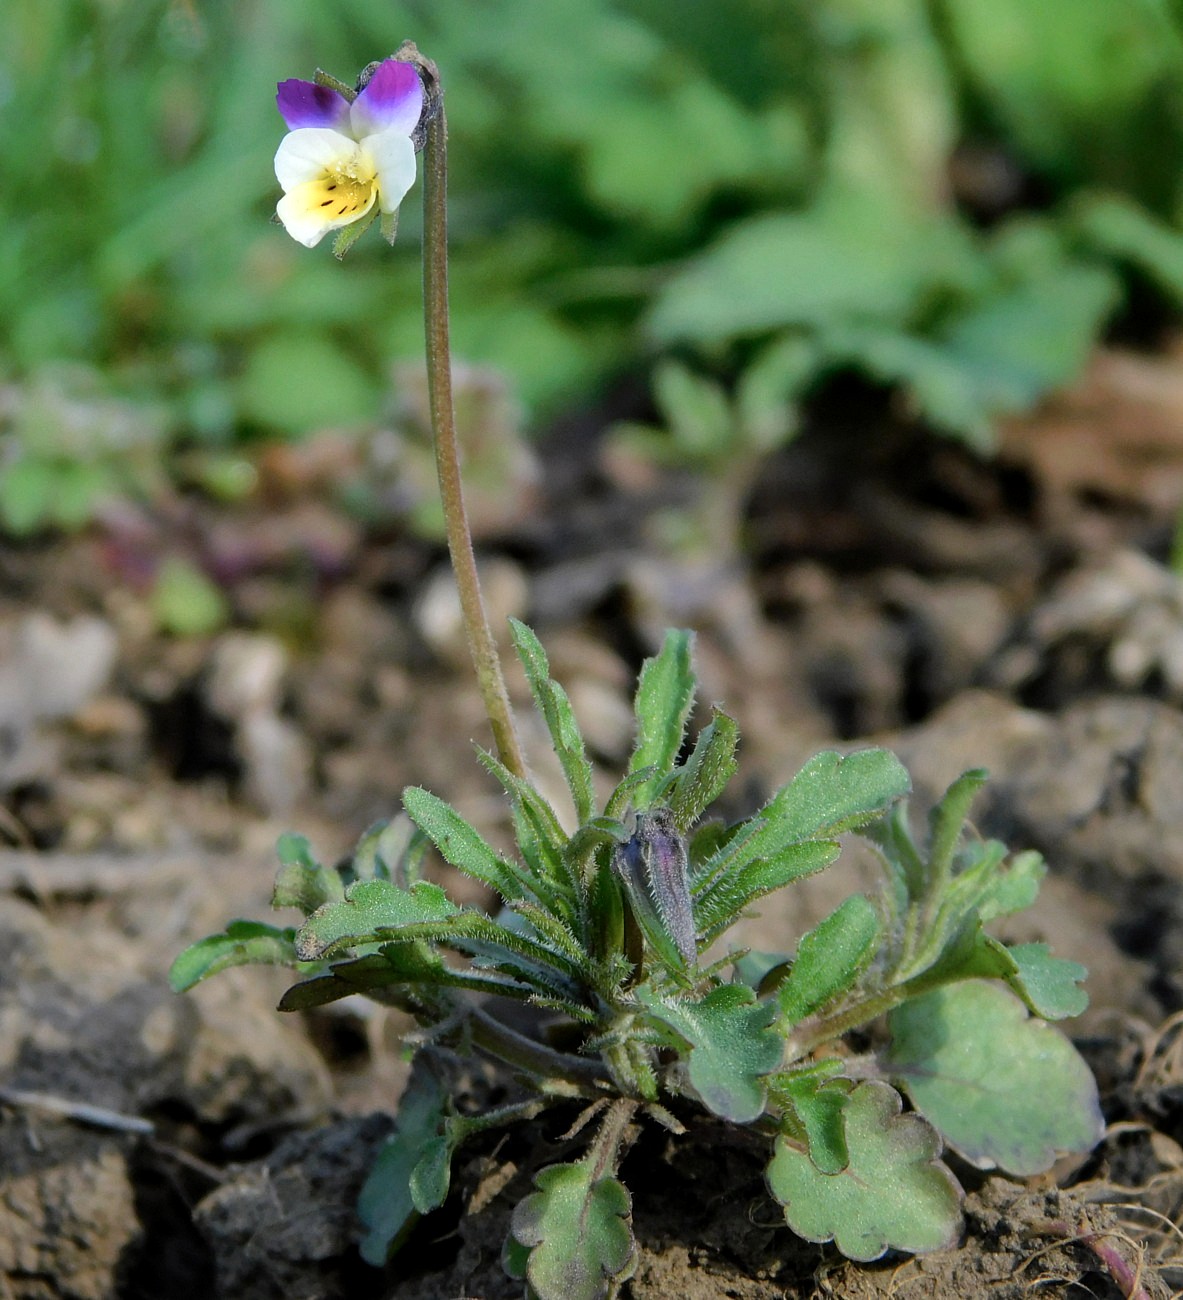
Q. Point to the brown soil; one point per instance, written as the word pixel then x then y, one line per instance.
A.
pixel 1015 615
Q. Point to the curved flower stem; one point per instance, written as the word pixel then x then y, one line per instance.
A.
pixel 447 458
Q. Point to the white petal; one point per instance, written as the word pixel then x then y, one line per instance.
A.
pixel 393 156
pixel 303 217
pixel 307 153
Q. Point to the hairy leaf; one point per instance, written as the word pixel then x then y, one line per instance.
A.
pixel 302 882
pixel 577 1229
pixel 1001 1087
pixel 720 906
pixel 407 964
pixel 392 849
pixel 372 910
pixel 818 1103
pixel 665 694
pixel 830 958
pixel 242 943
pixel 555 707
pixel 731 1046
pixel 461 844
pixel 1015 887
pixel 541 839
pixel 948 820
pixel 893 1194
pixel 706 772
pixel 832 794
pixel 829 795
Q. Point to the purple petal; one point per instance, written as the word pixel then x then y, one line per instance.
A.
pixel 304 103
pixel 392 101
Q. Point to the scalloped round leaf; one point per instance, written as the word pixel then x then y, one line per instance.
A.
pixel 578 1231
pixel 731 1047
pixel 1003 1088
pixel 893 1194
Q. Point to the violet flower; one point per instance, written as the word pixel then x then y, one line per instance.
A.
pixel 340 158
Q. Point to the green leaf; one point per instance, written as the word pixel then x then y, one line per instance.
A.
pixel 185 602
pixel 461 844
pixel 731 1046
pixel 1049 985
pixel 761 971
pixel 342 980
pixel 243 943
pixel 555 707
pixel 372 910
pixel 818 1104
pixel 706 772
pixel 620 800
pixel 415 966
pixel 554 973
pixel 937 381
pixel 696 410
pixel 832 794
pixel 1034 337
pixel 349 235
pixel 828 796
pixel 830 958
pixel 302 882
pixel 540 838
pixel 1002 1088
pixel 406 1179
pixel 27 486
pixel 893 1194
pixel 391 849
pixel 768 389
pixel 1117 226
pixel 947 821
pixel 296 380
pixel 845 257
pixel 432 1175
pixel 578 1232
pixel 1077 87
pixel 720 906
pixel 1015 887
pixel 665 694
pixel 76 494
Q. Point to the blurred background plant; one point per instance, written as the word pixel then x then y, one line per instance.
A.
pixel 952 198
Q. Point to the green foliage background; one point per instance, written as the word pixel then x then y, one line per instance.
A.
pixel 629 177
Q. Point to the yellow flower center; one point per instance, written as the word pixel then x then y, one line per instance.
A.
pixel 346 190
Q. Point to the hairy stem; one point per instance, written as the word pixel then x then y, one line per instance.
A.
pixel 481 643
pixel 815 1031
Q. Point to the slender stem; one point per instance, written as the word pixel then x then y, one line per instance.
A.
pixel 605 1150
pixel 815 1031
pixel 535 1058
pixel 447 457
pixel 467 1126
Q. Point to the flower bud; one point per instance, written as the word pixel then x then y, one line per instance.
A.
pixel 653 866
